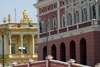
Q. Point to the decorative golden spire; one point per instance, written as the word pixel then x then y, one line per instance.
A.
pixel 9 18
pixel 4 20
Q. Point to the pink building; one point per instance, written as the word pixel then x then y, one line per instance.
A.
pixel 72 33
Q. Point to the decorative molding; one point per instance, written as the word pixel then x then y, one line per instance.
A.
pixel 71 33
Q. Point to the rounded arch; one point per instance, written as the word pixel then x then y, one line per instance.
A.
pixel 83 58
pixel 53 51
pixel 72 50
pixel 62 52
pixel 44 52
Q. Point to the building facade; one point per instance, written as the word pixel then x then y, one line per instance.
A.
pixel 73 28
pixel 20 40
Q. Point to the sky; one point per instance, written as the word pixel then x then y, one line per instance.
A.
pixel 8 7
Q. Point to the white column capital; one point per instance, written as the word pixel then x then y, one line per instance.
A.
pixel 33 35
pixel 21 35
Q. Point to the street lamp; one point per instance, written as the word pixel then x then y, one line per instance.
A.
pixel 94 9
pixel 21 50
pixel 47 30
pixel 7 32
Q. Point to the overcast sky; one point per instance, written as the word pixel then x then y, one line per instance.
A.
pixel 8 7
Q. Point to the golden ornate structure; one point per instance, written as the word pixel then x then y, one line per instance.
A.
pixel 22 36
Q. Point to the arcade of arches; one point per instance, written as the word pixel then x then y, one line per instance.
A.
pixel 72 51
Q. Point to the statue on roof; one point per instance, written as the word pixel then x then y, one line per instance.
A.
pixel 26 18
pixel 25 15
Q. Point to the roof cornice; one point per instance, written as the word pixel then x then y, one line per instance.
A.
pixel 44 3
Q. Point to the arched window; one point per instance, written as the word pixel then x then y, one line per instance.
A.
pixel 63 21
pixel 63 3
pixel 41 27
pixel 77 17
pixel 54 23
pixel 53 51
pixel 72 50
pixel 40 24
pixel 44 52
pixel 48 25
pixel 62 52
pixel 85 15
pixel 70 19
pixel 83 54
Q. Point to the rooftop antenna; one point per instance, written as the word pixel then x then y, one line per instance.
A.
pixel 15 15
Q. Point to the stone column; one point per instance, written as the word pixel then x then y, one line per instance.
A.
pixel 21 42
pixel 80 12
pixel 88 10
pixel 66 23
pixel 73 20
pixel 97 10
pixel 33 52
pixel 10 44
pixel 38 20
pixel 58 14
pixel 1 44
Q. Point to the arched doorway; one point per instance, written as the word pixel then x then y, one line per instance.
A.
pixel 62 52
pixel 72 50
pixel 53 51
pixel 44 52
pixel 83 58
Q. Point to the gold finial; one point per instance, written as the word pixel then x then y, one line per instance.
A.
pixel 9 18
pixel 4 20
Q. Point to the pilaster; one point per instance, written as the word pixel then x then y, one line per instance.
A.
pixel 80 12
pixel 9 44
pixel 0 45
pixel 5 44
pixel 38 20
pixel 21 40
pixel 58 13
pixel 33 42
pixel 97 9
pixel 72 13
pixel 65 13
pixel 88 10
